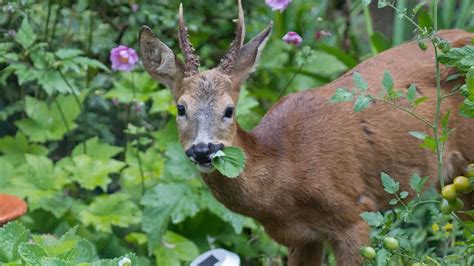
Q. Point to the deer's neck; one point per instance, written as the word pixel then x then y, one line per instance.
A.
pixel 244 193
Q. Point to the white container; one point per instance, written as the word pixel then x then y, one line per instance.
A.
pixel 217 257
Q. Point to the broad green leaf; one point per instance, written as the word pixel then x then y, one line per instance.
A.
pixel 245 114
pixel 115 262
pixel 52 82
pixel 67 53
pixel 25 35
pixel 362 102
pixel 462 58
pixel 383 257
pixel 163 102
pixel 429 143
pixel 232 163
pixel 411 93
pixel 380 42
pixel 91 172
pixel 133 87
pixel 31 253
pixel 175 249
pixel 11 236
pixel 47 122
pixel 96 149
pixel 415 182
pixel 111 210
pixel 178 165
pixel 372 218
pixel 15 148
pixel 382 3
pixel 154 224
pixel 390 186
pixel 359 82
pixel 342 95
pixel 420 100
pixel 178 195
pixel 236 220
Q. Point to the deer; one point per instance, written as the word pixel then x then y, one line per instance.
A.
pixel 312 166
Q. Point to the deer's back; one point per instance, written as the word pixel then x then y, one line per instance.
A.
pixel 332 157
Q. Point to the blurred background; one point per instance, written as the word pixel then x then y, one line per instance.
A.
pixel 90 147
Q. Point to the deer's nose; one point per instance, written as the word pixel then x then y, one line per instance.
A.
pixel 201 152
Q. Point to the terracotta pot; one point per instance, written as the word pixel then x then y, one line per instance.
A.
pixel 11 207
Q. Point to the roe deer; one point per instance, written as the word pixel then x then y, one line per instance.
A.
pixel 312 166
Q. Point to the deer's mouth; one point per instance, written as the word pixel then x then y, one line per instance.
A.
pixel 205 167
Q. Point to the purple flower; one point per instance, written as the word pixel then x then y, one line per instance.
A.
pixel 292 38
pixel 134 7
pixel 278 4
pixel 123 58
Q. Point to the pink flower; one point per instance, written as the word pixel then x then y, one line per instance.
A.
pixel 292 38
pixel 123 58
pixel 278 4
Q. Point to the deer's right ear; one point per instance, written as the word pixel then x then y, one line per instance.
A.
pixel 250 54
pixel 160 62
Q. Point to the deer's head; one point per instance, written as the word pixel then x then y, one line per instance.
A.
pixel 205 100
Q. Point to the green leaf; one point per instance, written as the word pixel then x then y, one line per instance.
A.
pixel 342 95
pixel 175 249
pixel 91 172
pixel 418 134
pixel 359 82
pixel 383 256
pixel 461 58
pixel 15 148
pixel 52 82
pixel 108 210
pixel 67 53
pixel 390 186
pixel 380 42
pixel 31 253
pixel 25 35
pixel 387 84
pixel 416 183
pixel 411 93
pixel 163 102
pixel 393 201
pixel 245 113
pixel 232 163
pixel 362 103
pixel 174 201
pixel 235 220
pixel 382 3
pixel 49 122
pixel 372 218
pixel 96 149
pixel 420 100
pixel 403 194
pixel 366 2
pixel 11 236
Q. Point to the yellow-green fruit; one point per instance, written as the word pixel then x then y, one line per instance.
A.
pixel 456 205
pixel 449 192
pixel 461 183
pixel 470 170
pixel 390 243
pixel 445 207
pixel 368 253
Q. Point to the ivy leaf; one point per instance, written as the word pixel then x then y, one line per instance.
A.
pixel 25 35
pixel 390 186
pixel 342 95
pixel 11 236
pixel 372 218
pixel 362 103
pixel 359 82
pixel 108 210
pixel 231 162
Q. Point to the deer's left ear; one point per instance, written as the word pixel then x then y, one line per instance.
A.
pixel 249 55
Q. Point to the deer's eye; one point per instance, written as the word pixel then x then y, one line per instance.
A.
pixel 229 111
pixel 181 110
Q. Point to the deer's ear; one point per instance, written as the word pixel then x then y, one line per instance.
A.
pixel 250 54
pixel 159 61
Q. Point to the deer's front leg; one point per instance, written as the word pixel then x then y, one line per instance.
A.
pixel 309 254
pixel 347 244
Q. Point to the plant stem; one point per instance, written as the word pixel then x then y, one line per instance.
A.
pixel 439 99
pixel 410 112
pixel 461 222
pixel 369 28
pixel 140 168
pixel 282 92
pixel 399 24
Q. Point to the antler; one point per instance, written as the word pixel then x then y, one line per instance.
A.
pixel 191 61
pixel 227 63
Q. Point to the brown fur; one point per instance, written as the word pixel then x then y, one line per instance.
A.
pixel 313 166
